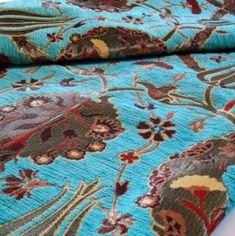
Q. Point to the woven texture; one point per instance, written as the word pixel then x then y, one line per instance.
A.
pixel 138 146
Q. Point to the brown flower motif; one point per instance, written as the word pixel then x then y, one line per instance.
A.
pixel 75 154
pixel 103 5
pixel 54 37
pixel 116 224
pixel 174 223
pixel 21 186
pixel 70 82
pixel 156 129
pixel 75 38
pixel 68 54
pixel 27 85
pixel 96 146
pixel 104 128
pixel 36 101
pixel 43 159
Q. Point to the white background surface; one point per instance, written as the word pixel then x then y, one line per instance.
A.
pixel 227 226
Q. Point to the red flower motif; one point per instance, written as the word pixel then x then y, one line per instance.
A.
pixel 129 157
pixel 21 186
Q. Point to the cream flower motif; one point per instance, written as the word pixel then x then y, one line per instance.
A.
pixel 198 181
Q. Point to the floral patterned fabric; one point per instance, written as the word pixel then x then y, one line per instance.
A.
pixel 144 146
pixel 69 30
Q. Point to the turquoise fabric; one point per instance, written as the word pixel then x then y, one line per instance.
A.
pixel 134 146
pixel 40 31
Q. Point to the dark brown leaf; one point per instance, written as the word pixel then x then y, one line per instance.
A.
pixel 121 188
pixel 46 135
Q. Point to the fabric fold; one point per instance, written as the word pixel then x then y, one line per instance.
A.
pixel 72 30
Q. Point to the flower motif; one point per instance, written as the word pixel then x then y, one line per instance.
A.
pixel 202 181
pixel 70 82
pixel 27 85
pixel 228 150
pixel 36 101
pixel 129 157
pixel 75 154
pixel 54 37
pixel 116 224
pixel 104 5
pixel 75 38
pixel 96 146
pixel 21 186
pixel 68 54
pixel 197 125
pixel 165 13
pixel 156 129
pixel 149 200
pixel 7 109
pixel 173 223
pixel 104 128
pixel 101 18
pixel 43 159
